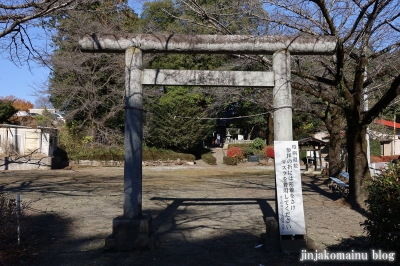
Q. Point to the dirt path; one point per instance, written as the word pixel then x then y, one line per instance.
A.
pixel 218 153
pixel 203 215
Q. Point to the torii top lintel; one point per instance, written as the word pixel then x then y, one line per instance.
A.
pixel 219 44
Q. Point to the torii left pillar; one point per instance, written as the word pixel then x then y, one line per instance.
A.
pixel 133 229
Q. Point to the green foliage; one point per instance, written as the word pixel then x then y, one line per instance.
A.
pixel 188 61
pixel 247 151
pixel 209 159
pixel 305 124
pixel 75 146
pixel 161 16
pixel 155 154
pixel 383 215
pixel 45 119
pixel 230 160
pixel 168 127
pixel 6 110
pixel 303 154
pixel 375 147
pixel 245 105
pixel 70 143
pixel 103 153
pixel 157 17
pixel 257 144
pixel 206 155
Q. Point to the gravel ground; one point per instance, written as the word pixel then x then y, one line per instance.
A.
pixel 203 215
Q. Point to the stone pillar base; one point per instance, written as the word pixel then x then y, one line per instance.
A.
pixel 131 234
pixel 272 235
pixel 275 242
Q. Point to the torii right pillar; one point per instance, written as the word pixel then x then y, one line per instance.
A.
pixel 282 96
pixel 288 193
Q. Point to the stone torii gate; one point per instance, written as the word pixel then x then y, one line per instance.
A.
pixel 133 229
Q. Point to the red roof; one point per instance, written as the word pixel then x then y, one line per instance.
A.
pixel 387 123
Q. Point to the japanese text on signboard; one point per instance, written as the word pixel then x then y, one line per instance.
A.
pixel 290 200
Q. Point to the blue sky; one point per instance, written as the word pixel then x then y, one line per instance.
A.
pixel 20 81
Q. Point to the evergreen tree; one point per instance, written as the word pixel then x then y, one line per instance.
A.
pixel 6 110
pixel 175 120
pixel 169 17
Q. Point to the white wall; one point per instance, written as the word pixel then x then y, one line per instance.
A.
pixel 28 140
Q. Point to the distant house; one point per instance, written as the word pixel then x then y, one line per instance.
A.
pixel 390 143
pixel 41 110
pixel 27 140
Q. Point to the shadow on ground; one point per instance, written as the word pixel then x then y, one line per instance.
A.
pixel 50 242
pixel 207 219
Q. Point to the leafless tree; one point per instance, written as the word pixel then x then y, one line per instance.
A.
pixel 43 102
pixel 364 65
pixel 89 88
pixel 364 69
pixel 19 24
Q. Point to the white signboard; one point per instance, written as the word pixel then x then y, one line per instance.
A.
pixel 288 185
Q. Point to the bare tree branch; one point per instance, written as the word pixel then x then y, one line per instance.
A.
pixel 18 16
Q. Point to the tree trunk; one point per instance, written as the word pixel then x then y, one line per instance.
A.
pixel 270 130
pixel 250 133
pixel 335 142
pixel 357 164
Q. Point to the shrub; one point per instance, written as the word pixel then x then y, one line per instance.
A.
pixel 257 144
pixel 247 151
pixel 269 151
pixel 383 210
pixel 230 160
pixel 209 158
pixel 154 154
pixel 235 152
